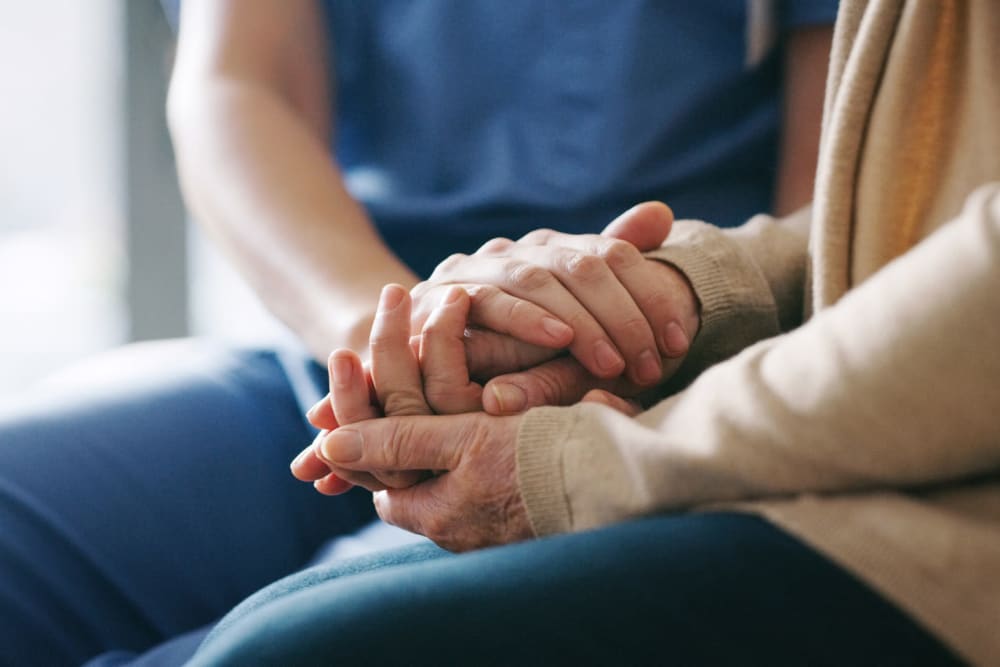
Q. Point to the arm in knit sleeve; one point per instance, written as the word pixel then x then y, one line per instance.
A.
pixel 749 281
pixel 894 386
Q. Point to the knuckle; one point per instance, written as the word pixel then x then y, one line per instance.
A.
pixel 421 288
pixel 620 254
pixel 656 303
pixel 636 328
pixel 438 391
pixel 448 399
pixel 435 526
pixel 428 517
pixel 551 389
pixel 482 296
pixel 528 277
pixel 520 311
pixel 380 342
pixel 448 264
pixel 583 324
pixel 537 236
pixel 437 329
pixel 403 404
pixel 584 267
pixel 495 246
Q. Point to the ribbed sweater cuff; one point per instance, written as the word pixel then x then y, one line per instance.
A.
pixel 540 442
pixel 736 304
pixel 706 277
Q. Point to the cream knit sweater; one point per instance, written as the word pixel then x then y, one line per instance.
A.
pixel 861 411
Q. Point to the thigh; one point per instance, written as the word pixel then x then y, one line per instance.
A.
pixel 146 493
pixel 715 589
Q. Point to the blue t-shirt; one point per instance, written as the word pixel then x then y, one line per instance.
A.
pixel 462 120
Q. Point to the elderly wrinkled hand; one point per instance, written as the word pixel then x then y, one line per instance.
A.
pixel 393 385
pixel 471 499
pixel 451 478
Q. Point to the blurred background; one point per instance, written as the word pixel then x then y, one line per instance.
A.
pixel 95 250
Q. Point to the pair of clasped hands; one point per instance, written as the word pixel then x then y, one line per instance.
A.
pixel 430 424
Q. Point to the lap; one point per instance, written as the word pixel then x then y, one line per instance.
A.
pixel 697 589
pixel 146 493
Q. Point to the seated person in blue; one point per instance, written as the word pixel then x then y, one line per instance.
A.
pixel 332 148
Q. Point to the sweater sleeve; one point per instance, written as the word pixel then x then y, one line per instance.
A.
pixel 749 282
pixel 895 386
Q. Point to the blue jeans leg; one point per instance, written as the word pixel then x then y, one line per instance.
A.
pixel 150 497
pixel 708 589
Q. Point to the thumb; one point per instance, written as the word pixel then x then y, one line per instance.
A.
pixel 562 381
pixel 645 225
pixel 397 443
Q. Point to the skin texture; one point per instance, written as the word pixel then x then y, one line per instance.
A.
pixel 654 298
pixel 442 383
pixel 608 291
pixel 601 287
pixel 594 283
pixel 452 478
pixel 425 486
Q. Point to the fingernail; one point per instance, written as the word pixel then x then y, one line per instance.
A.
pixel 343 446
pixel 675 341
pixel 608 360
pixel 649 369
pixel 510 397
pixel 392 296
pixel 453 295
pixel 342 371
pixel 556 329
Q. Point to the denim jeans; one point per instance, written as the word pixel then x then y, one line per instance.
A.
pixel 702 589
pixel 147 496
pixel 148 492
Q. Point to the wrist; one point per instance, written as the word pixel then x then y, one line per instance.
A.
pixel 347 321
pixel 344 330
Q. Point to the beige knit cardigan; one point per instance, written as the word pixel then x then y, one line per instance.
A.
pixel 861 411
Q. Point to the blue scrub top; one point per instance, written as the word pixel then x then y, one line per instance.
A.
pixel 461 120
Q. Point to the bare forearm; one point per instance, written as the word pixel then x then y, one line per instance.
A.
pixel 264 184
